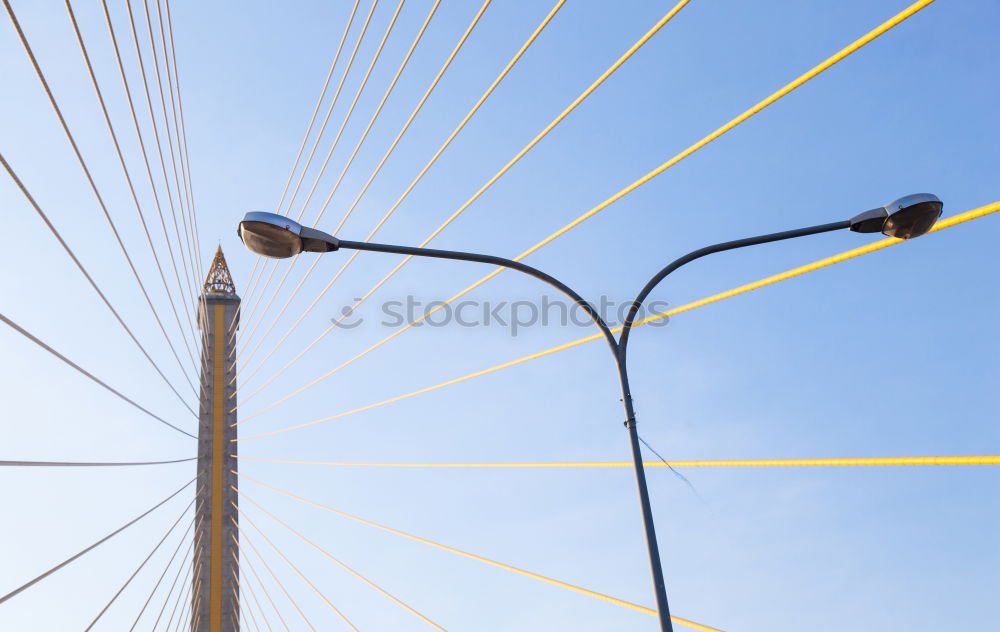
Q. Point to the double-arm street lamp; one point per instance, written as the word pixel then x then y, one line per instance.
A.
pixel 278 237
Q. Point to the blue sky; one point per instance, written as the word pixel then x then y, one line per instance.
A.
pixel 890 354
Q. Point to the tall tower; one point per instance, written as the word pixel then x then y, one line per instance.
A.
pixel 214 605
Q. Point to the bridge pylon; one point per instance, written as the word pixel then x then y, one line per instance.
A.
pixel 214 606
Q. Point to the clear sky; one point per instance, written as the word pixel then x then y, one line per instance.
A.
pixel 890 354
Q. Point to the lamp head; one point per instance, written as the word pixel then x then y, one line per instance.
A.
pixel 278 237
pixel 908 217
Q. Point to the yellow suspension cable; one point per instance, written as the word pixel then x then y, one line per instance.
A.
pixel 788 88
pixel 954 220
pixel 992 459
pixel 350 161
pixel 347 116
pixel 319 101
pixel 296 569
pixel 514 569
pixel 322 169
pixel 385 157
pixel 319 135
pixel 312 120
pixel 243 537
pixel 517 157
pixel 329 110
pixel 338 562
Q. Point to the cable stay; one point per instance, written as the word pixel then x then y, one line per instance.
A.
pixel 325 599
pixel 140 567
pixel 949 222
pixel 247 562
pixel 338 562
pixel 250 591
pixel 475 108
pixel 76 366
pixel 166 568
pixel 244 538
pixel 993 459
pixel 357 146
pixel 514 569
pixel 89 463
pixel 319 136
pixel 188 310
pixel 93 546
pixel 746 115
pixel 134 195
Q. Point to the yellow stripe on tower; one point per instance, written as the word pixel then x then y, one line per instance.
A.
pixel 218 410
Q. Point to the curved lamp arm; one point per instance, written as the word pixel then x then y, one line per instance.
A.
pixel 490 259
pixel 701 252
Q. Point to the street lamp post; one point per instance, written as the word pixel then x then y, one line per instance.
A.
pixel 278 237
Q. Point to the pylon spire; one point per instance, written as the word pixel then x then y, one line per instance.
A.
pixel 219 281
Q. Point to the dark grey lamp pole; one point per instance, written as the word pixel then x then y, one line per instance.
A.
pixel 275 236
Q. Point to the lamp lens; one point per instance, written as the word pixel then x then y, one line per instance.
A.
pixel 269 240
pixel 912 221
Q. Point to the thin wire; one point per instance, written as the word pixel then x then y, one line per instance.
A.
pixel 783 276
pixel 159 148
pixel 338 562
pixel 149 174
pixel 807 462
pixel 237 589
pixel 350 161
pixel 507 567
pixel 319 101
pixel 178 178
pixel 326 161
pixel 251 286
pixel 76 366
pixel 182 568
pixel 263 586
pixel 89 463
pixel 93 546
pixel 333 103
pixel 319 136
pixel 475 108
pixel 312 120
pixel 86 171
pixel 176 157
pixel 185 609
pixel 181 176
pixel 250 590
pixel 295 568
pixel 173 83
pixel 402 131
pixel 788 88
pixel 188 581
pixel 164 573
pixel 244 538
pixel 83 270
pixel 253 308
pixel 135 197
pixel 350 111
pixel 196 587
pixel 140 567
pixel 517 157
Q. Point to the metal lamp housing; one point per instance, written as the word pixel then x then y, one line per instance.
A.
pixel 271 235
pixel 278 237
pixel 908 217
pixel 912 215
